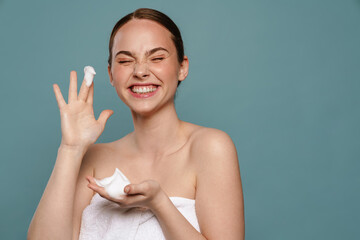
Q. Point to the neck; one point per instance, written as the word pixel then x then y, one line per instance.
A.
pixel 159 133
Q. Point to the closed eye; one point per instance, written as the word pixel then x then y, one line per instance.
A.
pixel 157 59
pixel 127 61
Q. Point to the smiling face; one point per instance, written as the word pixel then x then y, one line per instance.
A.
pixel 145 70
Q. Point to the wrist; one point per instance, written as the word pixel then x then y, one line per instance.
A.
pixel 72 149
pixel 160 203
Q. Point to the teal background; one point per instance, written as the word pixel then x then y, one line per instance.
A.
pixel 281 77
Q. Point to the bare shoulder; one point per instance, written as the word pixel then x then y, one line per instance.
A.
pixel 211 141
pixel 213 150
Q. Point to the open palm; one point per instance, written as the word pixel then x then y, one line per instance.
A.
pixel 79 127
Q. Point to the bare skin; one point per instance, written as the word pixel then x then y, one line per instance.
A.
pixel 163 157
pixel 174 171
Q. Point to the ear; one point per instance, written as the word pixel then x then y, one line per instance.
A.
pixel 184 69
pixel 110 75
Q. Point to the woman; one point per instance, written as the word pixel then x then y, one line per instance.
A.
pixel 165 159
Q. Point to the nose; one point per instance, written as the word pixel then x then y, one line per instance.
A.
pixel 141 70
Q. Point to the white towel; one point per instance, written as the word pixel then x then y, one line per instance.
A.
pixel 105 220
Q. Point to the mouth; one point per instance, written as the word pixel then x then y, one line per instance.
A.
pixel 144 90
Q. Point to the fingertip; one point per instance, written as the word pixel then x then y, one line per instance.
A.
pixel 73 74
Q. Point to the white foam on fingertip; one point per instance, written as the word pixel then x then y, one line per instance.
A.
pixel 89 72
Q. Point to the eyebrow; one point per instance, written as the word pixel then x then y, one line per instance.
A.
pixel 148 53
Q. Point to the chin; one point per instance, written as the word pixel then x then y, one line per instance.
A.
pixel 143 110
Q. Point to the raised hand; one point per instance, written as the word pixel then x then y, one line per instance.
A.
pixel 79 128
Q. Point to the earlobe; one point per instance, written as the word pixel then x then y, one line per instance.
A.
pixel 184 69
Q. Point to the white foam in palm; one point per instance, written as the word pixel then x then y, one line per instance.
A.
pixel 115 184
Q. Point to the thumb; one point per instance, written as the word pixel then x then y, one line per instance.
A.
pixel 104 116
pixel 133 189
pixel 143 188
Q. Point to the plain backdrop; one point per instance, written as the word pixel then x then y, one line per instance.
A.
pixel 281 77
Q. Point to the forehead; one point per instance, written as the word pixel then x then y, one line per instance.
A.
pixel 140 35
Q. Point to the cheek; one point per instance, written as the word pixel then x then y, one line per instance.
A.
pixel 165 71
pixel 121 73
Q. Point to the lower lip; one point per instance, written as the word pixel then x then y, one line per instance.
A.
pixel 143 95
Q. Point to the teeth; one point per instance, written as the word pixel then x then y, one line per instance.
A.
pixel 143 89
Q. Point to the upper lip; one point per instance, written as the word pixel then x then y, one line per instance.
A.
pixel 143 84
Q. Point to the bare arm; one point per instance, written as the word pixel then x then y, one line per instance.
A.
pixel 219 196
pixel 83 194
pixel 53 218
pixel 173 224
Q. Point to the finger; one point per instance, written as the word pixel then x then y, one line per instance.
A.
pixel 98 190
pixel 127 189
pixel 92 184
pixel 84 91
pixel 102 192
pixel 72 87
pixel 59 97
pixel 141 188
pixel 104 116
pixel 91 180
pixel 91 94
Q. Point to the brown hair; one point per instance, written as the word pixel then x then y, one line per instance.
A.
pixel 154 15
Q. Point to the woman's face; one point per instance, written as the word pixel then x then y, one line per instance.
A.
pixel 145 70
